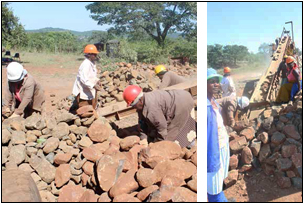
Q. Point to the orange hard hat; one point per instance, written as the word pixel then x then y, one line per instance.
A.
pixel 131 94
pixel 90 49
pixel 226 70
pixel 290 59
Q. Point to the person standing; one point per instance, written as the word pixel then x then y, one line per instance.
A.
pixel 218 154
pixel 168 78
pixel 86 83
pixel 227 84
pixel 24 95
pixel 283 68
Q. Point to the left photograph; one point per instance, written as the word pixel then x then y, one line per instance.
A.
pixel 99 101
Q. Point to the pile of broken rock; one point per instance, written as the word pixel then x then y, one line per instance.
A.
pixel 82 158
pixel 273 144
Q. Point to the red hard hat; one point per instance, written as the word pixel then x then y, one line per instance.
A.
pixel 130 93
pixel 226 70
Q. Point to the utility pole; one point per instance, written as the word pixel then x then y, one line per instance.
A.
pixel 292 30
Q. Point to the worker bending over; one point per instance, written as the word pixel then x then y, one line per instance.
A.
pixel 24 95
pixel 168 78
pixel 163 115
pixel 86 83
pixel 230 106
pixel 227 84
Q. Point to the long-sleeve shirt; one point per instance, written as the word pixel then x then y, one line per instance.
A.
pixel 170 78
pixel 229 107
pixel 167 112
pixel 86 80
pixel 31 94
pixel 283 68
pixel 228 87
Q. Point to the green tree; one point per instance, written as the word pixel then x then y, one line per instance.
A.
pixel 13 33
pixel 100 36
pixel 154 18
pixel 215 56
pixel 265 48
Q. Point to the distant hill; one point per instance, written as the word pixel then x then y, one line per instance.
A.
pixel 84 34
pixel 79 34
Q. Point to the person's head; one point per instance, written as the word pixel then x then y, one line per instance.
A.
pixel 243 102
pixel 15 72
pixel 291 46
pixel 91 52
pixel 160 70
pixel 133 96
pixel 290 61
pixel 227 71
pixel 213 81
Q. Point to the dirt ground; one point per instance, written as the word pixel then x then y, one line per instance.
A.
pixel 254 187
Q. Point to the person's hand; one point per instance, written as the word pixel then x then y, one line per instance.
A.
pixel 98 87
pixel 14 115
pixel 5 110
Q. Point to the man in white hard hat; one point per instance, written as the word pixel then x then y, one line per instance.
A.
pixel 24 95
pixel 230 105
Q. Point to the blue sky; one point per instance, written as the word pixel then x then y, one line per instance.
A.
pixel 66 15
pixel 252 23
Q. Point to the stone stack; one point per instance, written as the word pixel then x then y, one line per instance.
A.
pixel 273 144
pixel 113 83
pixel 82 158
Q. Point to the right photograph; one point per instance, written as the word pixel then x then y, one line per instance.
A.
pixel 254 101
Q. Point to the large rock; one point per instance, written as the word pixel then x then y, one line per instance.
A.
pixel 45 169
pixel 6 136
pixel 291 132
pixel 289 150
pixel 63 175
pixel 98 132
pixel 81 130
pixel 232 178
pixel 5 154
pixel 18 137
pixel 108 171
pixel 61 130
pixel 104 197
pixel 128 142
pixel 143 194
pixel 166 149
pixel 249 133
pixel 278 138
pixel 233 162
pixel 284 164
pixel 182 194
pixel 95 151
pixel 86 111
pixel 88 168
pixel 125 184
pixel 255 147
pixel 238 144
pixel 284 182
pixel 35 121
pixel 85 142
pixel 71 193
pixel 268 169
pixel 247 156
pixel 51 145
pixel 125 198
pixel 62 158
pixel 65 117
pixel 17 154
pixel 146 177
pixel 264 153
pixel 89 196
pixel 263 137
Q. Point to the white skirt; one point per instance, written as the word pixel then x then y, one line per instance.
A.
pixel 215 180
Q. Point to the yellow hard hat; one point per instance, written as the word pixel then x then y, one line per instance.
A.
pixel 285 56
pixel 159 69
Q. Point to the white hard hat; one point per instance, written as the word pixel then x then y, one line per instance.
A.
pixel 243 102
pixel 15 72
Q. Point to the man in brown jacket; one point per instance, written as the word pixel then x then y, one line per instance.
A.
pixel 168 78
pixel 167 113
pixel 230 105
pixel 23 95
